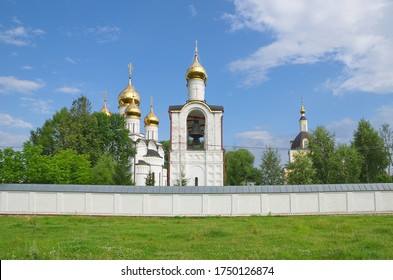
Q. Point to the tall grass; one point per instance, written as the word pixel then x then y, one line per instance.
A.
pixel 296 237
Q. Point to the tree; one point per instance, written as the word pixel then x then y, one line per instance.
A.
pixel 182 180
pixel 300 171
pixel 345 165
pixel 150 181
pixel 103 172
pixel 37 166
pixel 166 145
pixel 370 145
pixel 70 168
pixel 321 146
pixel 12 168
pixel 239 166
pixel 386 133
pixel 271 170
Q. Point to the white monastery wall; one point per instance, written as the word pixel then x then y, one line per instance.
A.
pixel 170 201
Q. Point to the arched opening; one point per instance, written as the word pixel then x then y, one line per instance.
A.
pixel 196 182
pixel 196 130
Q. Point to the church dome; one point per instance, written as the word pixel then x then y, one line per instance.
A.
pixel 151 119
pixel 196 70
pixel 133 111
pixel 129 94
pixel 105 109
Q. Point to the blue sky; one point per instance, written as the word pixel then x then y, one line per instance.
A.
pixel 262 58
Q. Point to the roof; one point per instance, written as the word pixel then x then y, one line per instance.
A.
pixel 199 190
pixel 211 107
pixel 297 142
pixel 152 153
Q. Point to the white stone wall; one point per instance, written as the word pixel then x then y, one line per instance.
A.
pixel 198 204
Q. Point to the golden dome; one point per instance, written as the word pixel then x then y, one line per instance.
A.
pixel 196 70
pixel 132 111
pixel 151 119
pixel 129 93
pixel 302 110
pixel 105 109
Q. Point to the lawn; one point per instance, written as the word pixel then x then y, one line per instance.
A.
pixel 283 238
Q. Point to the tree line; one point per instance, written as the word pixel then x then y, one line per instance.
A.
pixel 75 146
pixel 366 159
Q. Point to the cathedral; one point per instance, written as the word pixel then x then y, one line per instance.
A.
pixel 196 153
pixel 148 163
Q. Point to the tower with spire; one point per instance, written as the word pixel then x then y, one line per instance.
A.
pixel 196 156
pixel 300 143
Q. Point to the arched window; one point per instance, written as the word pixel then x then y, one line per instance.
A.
pixel 196 181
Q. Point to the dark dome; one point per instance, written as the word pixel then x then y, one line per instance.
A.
pixel 297 143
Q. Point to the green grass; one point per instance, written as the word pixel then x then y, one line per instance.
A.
pixel 296 237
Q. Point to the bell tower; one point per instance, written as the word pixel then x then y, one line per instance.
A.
pixel 196 155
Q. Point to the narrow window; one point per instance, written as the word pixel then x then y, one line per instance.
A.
pixel 196 181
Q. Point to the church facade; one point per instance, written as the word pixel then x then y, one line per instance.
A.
pixel 147 167
pixel 196 155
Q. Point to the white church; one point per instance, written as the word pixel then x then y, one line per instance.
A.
pixel 196 153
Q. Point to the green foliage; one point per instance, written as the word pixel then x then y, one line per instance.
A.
pixel 38 166
pixel 150 181
pixel 386 133
pixel 345 165
pixel 12 168
pixel 271 170
pixel 239 166
pixel 70 168
pixel 371 146
pixel 183 180
pixel 321 146
pixel 300 171
pixel 166 146
pixel 103 173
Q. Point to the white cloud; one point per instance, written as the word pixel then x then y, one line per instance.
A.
pixel 105 34
pixel 70 60
pixel 355 33
pixel 10 84
pixel 7 120
pixel 19 35
pixel 193 11
pixel 38 106
pixel 384 114
pixel 12 140
pixel 26 67
pixel 69 90
pixel 258 139
pixel 343 129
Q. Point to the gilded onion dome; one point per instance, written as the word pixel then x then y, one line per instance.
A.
pixel 151 119
pixel 105 109
pixel 132 111
pixel 196 70
pixel 302 110
pixel 129 93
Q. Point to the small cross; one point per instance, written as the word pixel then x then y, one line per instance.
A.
pixel 105 95
pixel 130 69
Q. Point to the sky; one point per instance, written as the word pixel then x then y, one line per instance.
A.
pixel 262 59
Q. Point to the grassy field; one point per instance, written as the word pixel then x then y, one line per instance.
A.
pixel 284 238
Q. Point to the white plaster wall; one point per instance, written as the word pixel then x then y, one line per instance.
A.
pixel 178 204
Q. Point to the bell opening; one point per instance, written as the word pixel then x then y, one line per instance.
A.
pixel 196 131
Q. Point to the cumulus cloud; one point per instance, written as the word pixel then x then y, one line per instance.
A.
pixel 10 84
pixel 7 120
pixel 343 129
pixel 69 90
pixel 354 33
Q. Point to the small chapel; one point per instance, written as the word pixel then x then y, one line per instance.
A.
pixel 300 143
